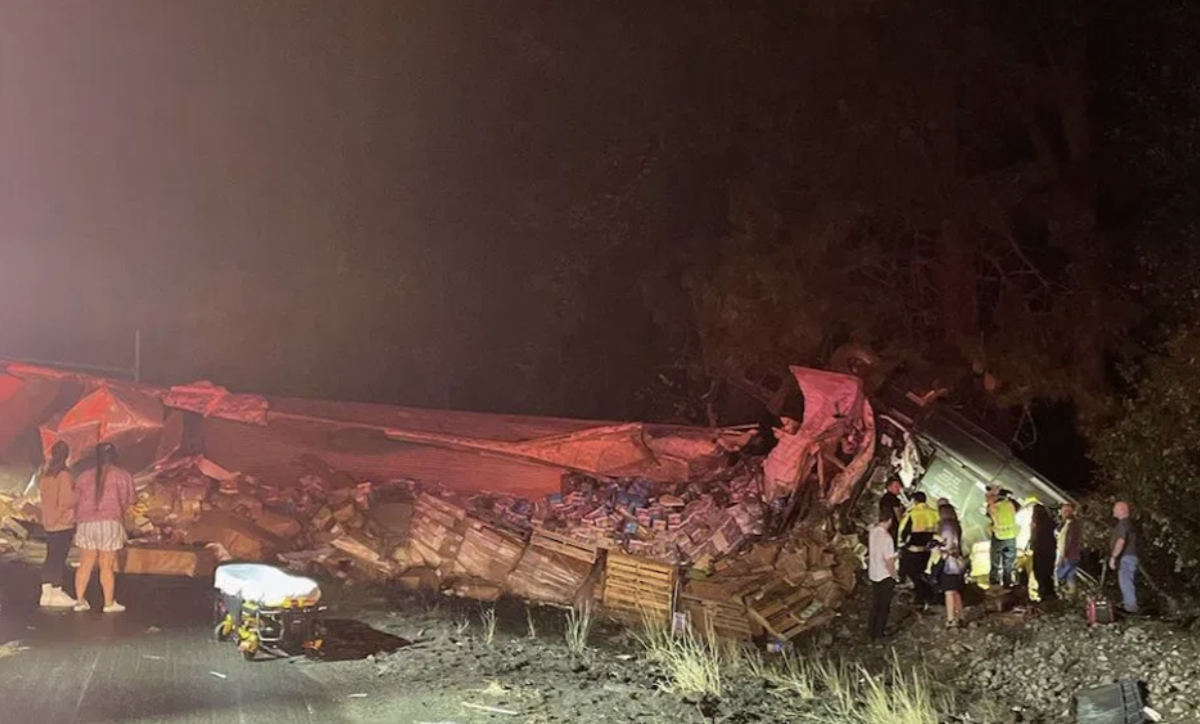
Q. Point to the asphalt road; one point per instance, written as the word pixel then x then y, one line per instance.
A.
pixel 156 663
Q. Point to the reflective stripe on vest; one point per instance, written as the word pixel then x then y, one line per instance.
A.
pixel 1004 520
pixel 924 519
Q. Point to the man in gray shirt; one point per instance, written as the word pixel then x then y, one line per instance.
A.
pixel 1124 557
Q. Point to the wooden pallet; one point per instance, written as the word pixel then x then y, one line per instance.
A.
pixel 727 620
pixel 638 587
pixel 784 611
pixel 564 545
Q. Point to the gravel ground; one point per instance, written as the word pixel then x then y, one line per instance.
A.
pixel 1016 667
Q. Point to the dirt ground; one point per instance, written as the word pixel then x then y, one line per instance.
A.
pixel 1017 667
pixel 407 658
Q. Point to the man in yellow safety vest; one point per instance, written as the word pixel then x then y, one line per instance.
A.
pixel 1002 514
pixel 917 529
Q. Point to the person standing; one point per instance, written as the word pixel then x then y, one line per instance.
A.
pixel 1124 557
pixel 1002 513
pixel 893 504
pixel 917 530
pixel 953 564
pixel 1066 564
pixel 1044 550
pixel 102 495
pixel 881 569
pixel 57 490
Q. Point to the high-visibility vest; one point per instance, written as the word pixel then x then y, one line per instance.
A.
pixel 1004 520
pixel 923 518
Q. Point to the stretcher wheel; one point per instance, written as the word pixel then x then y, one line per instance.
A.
pixel 224 629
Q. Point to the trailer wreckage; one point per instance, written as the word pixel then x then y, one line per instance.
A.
pixel 642 519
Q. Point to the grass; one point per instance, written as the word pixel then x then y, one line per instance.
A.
pixel 834 691
pixel 693 663
pixel 529 622
pixel 909 699
pixel 791 675
pixel 488 618
pixel 462 627
pixel 840 686
pixel 579 628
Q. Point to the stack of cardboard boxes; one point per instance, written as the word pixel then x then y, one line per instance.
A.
pixel 639 548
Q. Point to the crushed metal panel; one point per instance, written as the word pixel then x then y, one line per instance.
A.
pixel 833 406
pixel 843 483
pixel 831 400
pixel 24 403
pixel 123 416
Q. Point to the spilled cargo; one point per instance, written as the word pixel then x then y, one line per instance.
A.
pixel 638 518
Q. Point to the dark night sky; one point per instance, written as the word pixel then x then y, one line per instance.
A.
pixel 304 197
pixel 303 175
pixel 344 199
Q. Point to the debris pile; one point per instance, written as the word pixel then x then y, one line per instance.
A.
pixel 673 524
pixel 778 588
pixel 632 538
pixel 12 533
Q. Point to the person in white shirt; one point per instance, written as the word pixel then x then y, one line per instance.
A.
pixel 881 569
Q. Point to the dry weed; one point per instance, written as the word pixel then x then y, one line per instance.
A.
pixel 579 628
pixel 488 618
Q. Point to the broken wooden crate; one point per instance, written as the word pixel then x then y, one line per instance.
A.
pixel 710 607
pixel 487 553
pixel 563 544
pixel 546 575
pixel 437 531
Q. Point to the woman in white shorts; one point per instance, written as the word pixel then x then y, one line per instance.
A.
pixel 102 495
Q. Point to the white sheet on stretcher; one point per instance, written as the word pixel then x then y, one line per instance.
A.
pixel 264 584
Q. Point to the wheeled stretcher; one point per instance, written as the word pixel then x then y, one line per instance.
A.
pixel 265 608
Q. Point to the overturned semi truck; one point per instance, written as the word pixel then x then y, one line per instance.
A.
pixel 641 519
pixel 673 522
pixel 929 446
